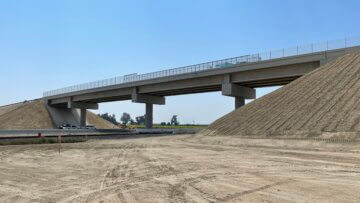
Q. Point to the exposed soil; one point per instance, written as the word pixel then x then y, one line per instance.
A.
pixel 34 115
pixel 182 169
pixel 324 100
pixel 27 115
pixel 99 122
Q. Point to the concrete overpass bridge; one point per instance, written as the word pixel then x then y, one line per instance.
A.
pixel 236 77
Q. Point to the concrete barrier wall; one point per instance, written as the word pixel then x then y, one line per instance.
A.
pixel 56 132
pixel 62 116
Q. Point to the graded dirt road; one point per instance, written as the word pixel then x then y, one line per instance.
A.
pixel 182 169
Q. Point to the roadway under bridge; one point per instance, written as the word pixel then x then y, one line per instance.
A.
pixel 235 79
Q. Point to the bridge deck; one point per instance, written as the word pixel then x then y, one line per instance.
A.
pixel 262 73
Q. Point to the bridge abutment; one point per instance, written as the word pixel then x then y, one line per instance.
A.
pixel 70 112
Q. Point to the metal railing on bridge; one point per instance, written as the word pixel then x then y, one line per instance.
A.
pixel 225 63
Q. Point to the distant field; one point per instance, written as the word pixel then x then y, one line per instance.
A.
pixel 169 126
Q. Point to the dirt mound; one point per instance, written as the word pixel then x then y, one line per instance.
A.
pixel 34 115
pixel 99 122
pixel 324 100
pixel 8 108
pixel 28 115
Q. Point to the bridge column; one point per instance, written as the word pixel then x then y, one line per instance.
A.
pixel 83 110
pixel 149 101
pixel 82 117
pixel 149 116
pixel 239 92
pixel 239 102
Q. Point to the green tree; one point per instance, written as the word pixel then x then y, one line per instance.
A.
pixel 125 118
pixel 110 118
pixel 132 122
pixel 174 120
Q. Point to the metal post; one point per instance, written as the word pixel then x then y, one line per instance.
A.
pixel 327 45
pixel 297 50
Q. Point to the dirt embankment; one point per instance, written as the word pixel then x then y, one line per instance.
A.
pixel 99 122
pixel 324 100
pixel 35 115
pixel 28 115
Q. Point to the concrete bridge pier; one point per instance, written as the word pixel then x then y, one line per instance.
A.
pixel 149 101
pixel 82 117
pixel 239 102
pixel 83 110
pixel 239 92
pixel 149 116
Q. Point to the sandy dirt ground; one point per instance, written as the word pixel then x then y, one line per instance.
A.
pixel 182 168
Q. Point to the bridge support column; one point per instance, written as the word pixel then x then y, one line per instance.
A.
pixel 239 102
pixel 149 116
pixel 83 117
pixel 239 92
pixel 149 101
pixel 83 110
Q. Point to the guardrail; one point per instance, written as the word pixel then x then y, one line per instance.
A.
pixel 56 132
pixel 225 63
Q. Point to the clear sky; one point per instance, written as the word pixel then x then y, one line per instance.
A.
pixel 46 44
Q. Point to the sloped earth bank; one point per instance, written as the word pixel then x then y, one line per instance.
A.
pixel 34 115
pixel 182 169
pixel 27 115
pixel 324 100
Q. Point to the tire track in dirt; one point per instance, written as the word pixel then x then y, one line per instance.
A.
pixel 182 169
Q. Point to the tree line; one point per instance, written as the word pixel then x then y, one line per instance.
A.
pixel 139 120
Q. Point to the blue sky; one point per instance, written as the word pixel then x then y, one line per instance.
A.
pixel 51 44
